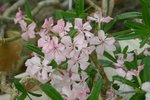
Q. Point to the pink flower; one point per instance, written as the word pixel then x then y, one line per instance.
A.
pixel 81 91
pixel 121 60
pixel 61 28
pixel 46 43
pixel 39 70
pixel 78 60
pixel 76 91
pixel 72 47
pixel 103 43
pixel 54 50
pixel 99 18
pixel 19 16
pixel 83 28
pixel 48 23
pixel 136 72
pixel 66 78
pixel 28 31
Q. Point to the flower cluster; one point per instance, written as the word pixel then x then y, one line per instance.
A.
pixel 57 43
pixel 71 45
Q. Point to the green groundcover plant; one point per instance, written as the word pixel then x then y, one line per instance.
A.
pixel 67 64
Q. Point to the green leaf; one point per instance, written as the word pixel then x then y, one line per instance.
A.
pixel 130 36
pixel 34 94
pixel 146 71
pixel 19 86
pixel 128 15
pixel 122 16
pixel 143 42
pixel 146 15
pixel 28 10
pixel 129 65
pixel 96 90
pixel 124 81
pixel 125 49
pixel 68 14
pixel 22 96
pixel 109 56
pixel 106 63
pixel 109 25
pixel 54 64
pixel 51 92
pixel 135 25
pixel 138 96
pixel 79 7
pixel 34 49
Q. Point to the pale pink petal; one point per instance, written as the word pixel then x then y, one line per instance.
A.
pixel 101 35
pixel 107 19
pixel 23 25
pixel 129 57
pixel 68 26
pixel 55 40
pixel 32 26
pixel 78 23
pixel 66 40
pixel 91 18
pixel 140 68
pixel 120 72
pixel 25 36
pixel 110 47
pixel 146 86
pixel 79 39
pixel 88 34
pixel 110 40
pixel 87 26
pixel 100 49
pixel 95 41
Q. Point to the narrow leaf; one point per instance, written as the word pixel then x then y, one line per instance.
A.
pixel 124 81
pixel 34 49
pixel 96 90
pixel 51 92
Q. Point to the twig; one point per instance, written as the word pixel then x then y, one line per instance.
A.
pixel 43 4
pixel 105 7
pixel 94 5
pixel 106 83
pixel 2 31
pixel 5 19
pixel 111 7
pixel 70 5
pixel 14 7
pixel 6 40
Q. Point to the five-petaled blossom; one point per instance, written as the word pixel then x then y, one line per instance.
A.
pixel 99 18
pixel 76 90
pixel 61 28
pixel 103 43
pixel 78 60
pixel 39 69
pixel 28 31
pixel 83 28
pixel 77 45
pixel 54 50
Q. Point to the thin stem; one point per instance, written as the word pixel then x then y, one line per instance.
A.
pixel 106 82
pixel 94 5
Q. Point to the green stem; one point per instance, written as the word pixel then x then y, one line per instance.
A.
pixel 102 74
